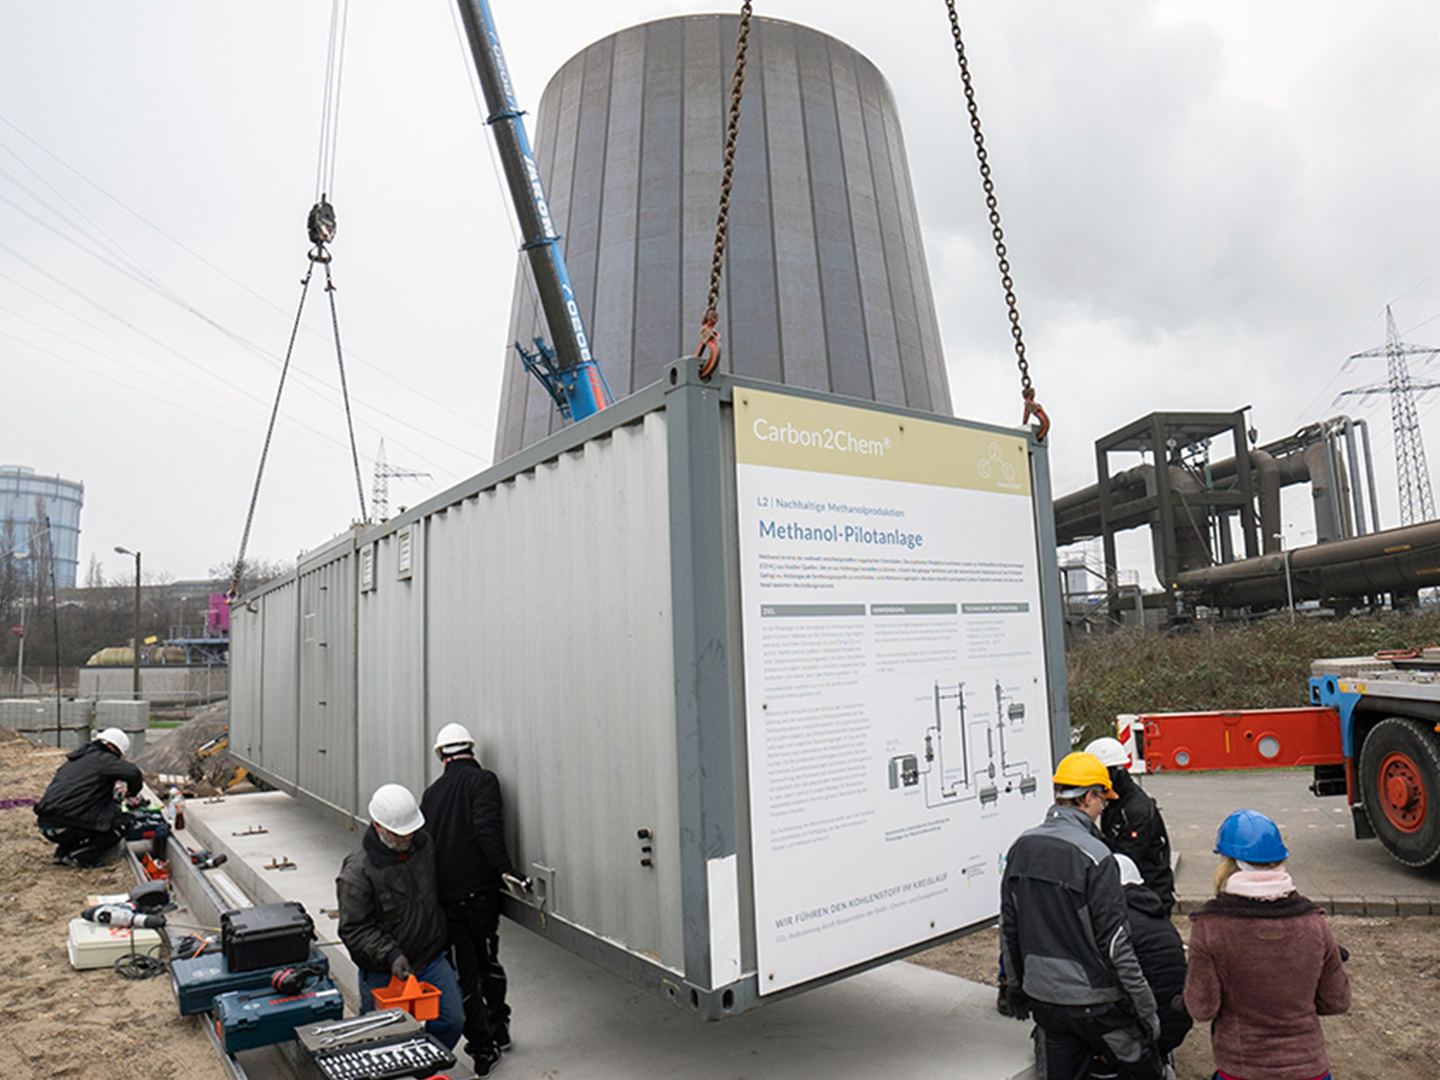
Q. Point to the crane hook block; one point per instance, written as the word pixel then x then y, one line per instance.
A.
pixel 321 222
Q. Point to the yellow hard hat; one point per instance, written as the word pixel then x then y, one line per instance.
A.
pixel 1082 770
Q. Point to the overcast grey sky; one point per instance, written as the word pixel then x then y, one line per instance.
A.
pixel 1207 204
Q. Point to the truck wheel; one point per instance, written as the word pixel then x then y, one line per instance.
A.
pixel 1400 784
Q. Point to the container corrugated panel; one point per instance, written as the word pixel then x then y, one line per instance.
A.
pixel 279 644
pixel 588 758
pixel 326 767
pixel 246 682
pixel 391 670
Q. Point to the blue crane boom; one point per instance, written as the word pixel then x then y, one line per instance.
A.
pixel 569 372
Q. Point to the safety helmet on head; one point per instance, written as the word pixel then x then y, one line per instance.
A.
pixel 1109 751
pixel 453 739
pixel 1080 770
pixel 116 738
pixel 394 807
pixel 1251 836
pixel 1129 872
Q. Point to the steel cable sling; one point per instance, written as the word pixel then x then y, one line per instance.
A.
pixel 320 227
pixel 1033 408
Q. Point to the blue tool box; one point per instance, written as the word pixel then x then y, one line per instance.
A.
pixel 197 982
pixel 245 1019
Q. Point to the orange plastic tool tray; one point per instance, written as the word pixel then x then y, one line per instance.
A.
pixel 419 999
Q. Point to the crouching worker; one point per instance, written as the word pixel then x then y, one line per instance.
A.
pixel 78 812
pixel 390 917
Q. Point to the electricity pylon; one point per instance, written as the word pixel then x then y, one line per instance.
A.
pixel 380 488
pixel 1412 473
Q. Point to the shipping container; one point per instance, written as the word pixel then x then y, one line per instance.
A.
pixel 771 678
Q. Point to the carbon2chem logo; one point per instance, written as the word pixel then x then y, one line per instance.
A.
pixel 839 440
pixel 994 461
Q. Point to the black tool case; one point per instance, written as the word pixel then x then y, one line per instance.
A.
pixel 198 980
pixel 267 935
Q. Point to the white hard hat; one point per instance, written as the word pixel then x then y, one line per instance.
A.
pixel 394 807
pixel 453 739
pixel 1109 751
pixel 1129 872
pixel 116 738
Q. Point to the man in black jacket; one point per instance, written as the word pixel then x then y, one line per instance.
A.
pixel 78 812
pixel 1066 945
pixel 465 814
pixel 1160 950
pixel 390 919
pixel 1132 825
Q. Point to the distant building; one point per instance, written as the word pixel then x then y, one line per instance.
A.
pixel 25 500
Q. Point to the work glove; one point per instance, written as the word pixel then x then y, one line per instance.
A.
pixel 1150 1029
pixel 1018 1001
pixel 401 968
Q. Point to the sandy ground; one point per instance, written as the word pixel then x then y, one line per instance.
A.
pixel 1389 1032
pixel 95 1025
pixel 55 1021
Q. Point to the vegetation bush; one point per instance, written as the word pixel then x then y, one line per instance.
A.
pixel 1260 665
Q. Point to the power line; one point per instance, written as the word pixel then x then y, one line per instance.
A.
pixel 239 339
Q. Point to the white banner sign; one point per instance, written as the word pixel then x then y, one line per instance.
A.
pixel 896 701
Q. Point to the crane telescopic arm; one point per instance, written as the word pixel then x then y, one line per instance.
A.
pixel 570 374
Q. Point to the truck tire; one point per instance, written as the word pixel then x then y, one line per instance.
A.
pixel 1400 785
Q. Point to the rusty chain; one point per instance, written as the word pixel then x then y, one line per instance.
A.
pixel 1027 391
pixel 709 334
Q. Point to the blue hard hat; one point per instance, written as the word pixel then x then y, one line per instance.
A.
pixel 1251 836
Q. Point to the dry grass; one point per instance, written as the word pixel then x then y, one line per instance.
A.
pixel 1264 664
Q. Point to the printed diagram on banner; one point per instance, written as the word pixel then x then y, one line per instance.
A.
pixel 982 770
pixel 897 705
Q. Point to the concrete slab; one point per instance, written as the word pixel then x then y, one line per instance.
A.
pixel 572 1018
pixel 1329 865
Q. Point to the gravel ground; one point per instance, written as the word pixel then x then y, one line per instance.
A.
pixel 1389 1032
pixel 55 1021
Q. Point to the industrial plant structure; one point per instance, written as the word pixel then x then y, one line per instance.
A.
pixel 1215 521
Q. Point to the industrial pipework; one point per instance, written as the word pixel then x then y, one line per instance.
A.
pixel 1193 514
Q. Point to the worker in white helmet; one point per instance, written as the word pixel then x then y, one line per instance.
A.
pixel 467 820
pixel 390 918
pixel 79 811
pixel 1132 824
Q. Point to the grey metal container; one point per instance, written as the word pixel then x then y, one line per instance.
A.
pixel 825 266
pixel 578 608
pixel 131 717
pixel 35 719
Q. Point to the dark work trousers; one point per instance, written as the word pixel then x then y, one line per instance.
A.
pixel 87 847
pixel 1075 1037
pixel 474 925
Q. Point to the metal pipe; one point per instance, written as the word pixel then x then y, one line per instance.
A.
pixel 1270 525
pixel 135 645
pixel 1357 491
pixel 1364 427
pixel 1395 560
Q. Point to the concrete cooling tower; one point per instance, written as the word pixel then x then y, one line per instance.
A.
pixel 825 283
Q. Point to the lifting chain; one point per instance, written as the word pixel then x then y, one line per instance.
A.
pixel 1032 407
pixel 709 335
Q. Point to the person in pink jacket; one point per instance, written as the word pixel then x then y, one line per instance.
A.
pixel 1264 966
